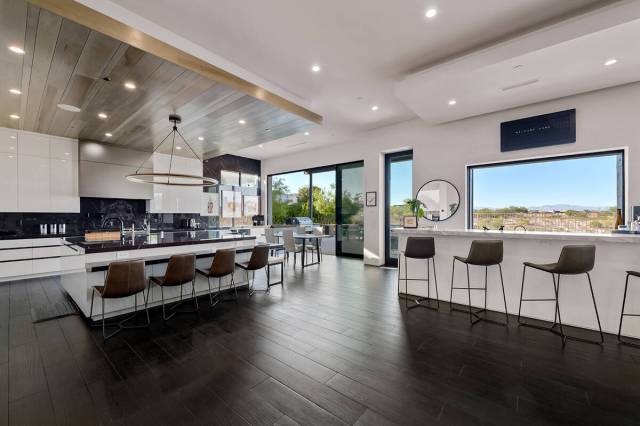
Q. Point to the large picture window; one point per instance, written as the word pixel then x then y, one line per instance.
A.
pixel 578 193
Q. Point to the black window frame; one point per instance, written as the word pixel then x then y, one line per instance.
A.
pixel 615 151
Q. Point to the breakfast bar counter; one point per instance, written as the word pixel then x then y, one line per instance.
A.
pixel 615 254
pixel 155 249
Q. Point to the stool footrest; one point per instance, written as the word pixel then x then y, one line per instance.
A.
pixel 538 300
pixel 418 303
pixel 469 288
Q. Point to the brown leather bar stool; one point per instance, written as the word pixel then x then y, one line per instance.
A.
pixel 180 270
pixel 259 259
pixel 222 265
pixel 573 260
pixel 482 253
pixel 422 248
pixel 622 314
pixel 124 279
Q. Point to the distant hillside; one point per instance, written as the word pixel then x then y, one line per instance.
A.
pixel 564 207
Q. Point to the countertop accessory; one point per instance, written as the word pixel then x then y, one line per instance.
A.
pixel 169 178
pixel 53 229
pixel 43 229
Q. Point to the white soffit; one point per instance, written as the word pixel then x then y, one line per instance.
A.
pixel 561 60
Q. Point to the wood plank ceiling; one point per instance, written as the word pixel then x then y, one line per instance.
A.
pixel 67 63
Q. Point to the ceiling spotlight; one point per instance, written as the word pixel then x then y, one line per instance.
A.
pixel 16 49
pixel 200 138
pixel 260 146
pixel 70 108
pixel 108 135
pixel 102 115
pixel 315 68
pixel 14 117
pixel 431 13
pixel 610 62
pixel 178 148
pixel 15 91
pixel 374 108
pixel 453 102
pixel 129 85
pixel 307 133
pixel 242 121
pixel 12 137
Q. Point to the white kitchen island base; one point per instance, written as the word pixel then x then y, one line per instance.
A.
pixel 615 254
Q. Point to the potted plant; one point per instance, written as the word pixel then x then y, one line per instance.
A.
pixel 415 206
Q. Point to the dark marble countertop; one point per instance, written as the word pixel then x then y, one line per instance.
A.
pixel 157 239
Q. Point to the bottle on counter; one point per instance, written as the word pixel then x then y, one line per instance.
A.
pixel 618 221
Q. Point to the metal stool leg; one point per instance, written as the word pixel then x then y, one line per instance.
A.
pixel 622 341
pixel 524 270
pixel 435 280
pixel 595 307
pixel 453 271
pixel 504 296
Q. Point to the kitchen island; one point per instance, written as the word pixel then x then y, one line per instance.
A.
pixel 615 254
pixel 155 249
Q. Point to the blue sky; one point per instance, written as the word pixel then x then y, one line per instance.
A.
pixel 588 182
pixel 401 177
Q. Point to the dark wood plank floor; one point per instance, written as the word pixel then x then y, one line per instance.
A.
pixel 335 346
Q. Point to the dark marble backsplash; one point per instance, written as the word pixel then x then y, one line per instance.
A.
pixel 98 213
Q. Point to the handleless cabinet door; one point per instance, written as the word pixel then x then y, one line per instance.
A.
pixel 8 182
pixel 33 184
pixel 8 141
pixel 63 149
pixel 33 144
pixel 64 186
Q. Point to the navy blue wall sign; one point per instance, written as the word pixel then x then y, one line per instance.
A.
pixel 542 130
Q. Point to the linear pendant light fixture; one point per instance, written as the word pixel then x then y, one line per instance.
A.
pixel 169 178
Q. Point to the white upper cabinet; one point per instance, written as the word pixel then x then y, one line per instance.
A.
pixel 64 186
pixel 33 144
pixel 176 199
pixel 38 173
pixel 63 149
pixel 33 184
pixel 8 141
pixel 8 182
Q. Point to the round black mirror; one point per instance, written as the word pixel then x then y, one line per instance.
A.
pixel 440 200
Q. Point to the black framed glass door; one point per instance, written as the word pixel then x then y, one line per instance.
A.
pixel 350 209
pixel 398 188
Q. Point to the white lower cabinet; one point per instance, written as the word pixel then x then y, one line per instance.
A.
pixel 33 184
pixel 8 182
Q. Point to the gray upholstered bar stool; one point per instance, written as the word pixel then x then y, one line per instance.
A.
pixel 573 260
pixel 422 248
pixel 180 270
pixel 482 253
pixel 222 265
pixel 124 279
pixel 622 314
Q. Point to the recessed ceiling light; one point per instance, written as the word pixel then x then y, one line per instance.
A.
pixel 129 85
pixel 108 135
pixel 178 148
pixel 610 62
pixel 374 108
pixel 315 68
pixel 431 13
pixel 16 49
pixel 242 121
pixel 12 137
pixel 70 108
pixel 102 115
pixel 15 91
pixel 14 117
pixel 200 138
pixel 260 146
pixel 453 102
pixel 307 133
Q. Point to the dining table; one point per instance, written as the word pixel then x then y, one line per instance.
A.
pixel 311 238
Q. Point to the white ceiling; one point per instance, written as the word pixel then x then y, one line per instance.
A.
pixel 363 46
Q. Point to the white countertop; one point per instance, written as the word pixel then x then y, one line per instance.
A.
pixel 525 235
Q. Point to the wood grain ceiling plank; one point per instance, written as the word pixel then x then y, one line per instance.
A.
pixel 46 38
pixel 71 41
pixel 12 32
pixel 31 31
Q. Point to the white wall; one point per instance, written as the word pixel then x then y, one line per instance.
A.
pixel 604 119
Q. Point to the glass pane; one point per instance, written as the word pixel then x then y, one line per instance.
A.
pixel 289 196
pixel 400 190
pixel 351 231
pixel 579 194
pixel 324 197
pixel 229 178
pixel 250 181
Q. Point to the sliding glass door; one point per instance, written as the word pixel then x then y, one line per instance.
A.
pixel 398 188
pixel 350 210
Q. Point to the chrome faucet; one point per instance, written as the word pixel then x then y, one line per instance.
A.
pixel 109 219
